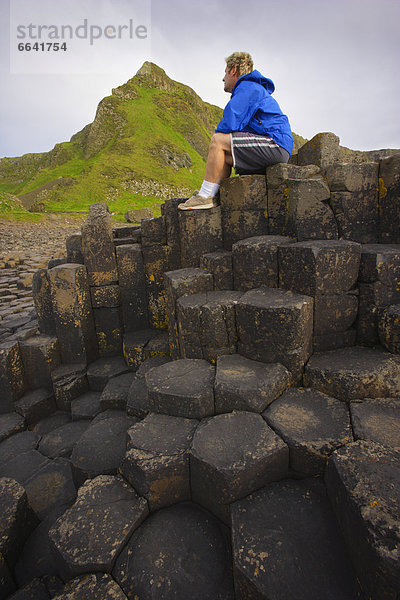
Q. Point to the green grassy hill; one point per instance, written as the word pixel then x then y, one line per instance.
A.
pixel 148 142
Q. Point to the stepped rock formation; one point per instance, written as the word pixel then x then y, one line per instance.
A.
pixel 211 407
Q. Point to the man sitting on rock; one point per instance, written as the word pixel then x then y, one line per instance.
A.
pixel 252 134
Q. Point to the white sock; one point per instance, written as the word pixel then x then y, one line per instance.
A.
pixel 208 189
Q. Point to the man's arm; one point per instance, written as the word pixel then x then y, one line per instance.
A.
pixel 241 107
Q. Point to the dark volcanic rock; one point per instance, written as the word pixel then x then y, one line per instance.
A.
pixel 219 263
pixel 10 423
pixel 354 373
pixel 69 382
pixel 103 369
pixel 319 267
pixel 24 466
pixel 232 455
pixel 206 324
pixel 137 403
pixel 389 328
pixel 101 448
pixel 179 552
pixel 244 384
pixel 280 533
pixel 115 394
pixel 95 586
pixel 40 355
pixel 51 487
pixel 275 325
pixel 312 424
pixel 61 441
pixel 17 444
pixel 255 261
pixel 377 420
pixel 157 460
pixel 90 535
pixel 182 388
pixel 86 406
pixel 36 405
pixel 363 482
pixel 36 559
pixel 34 590
pixel 16 519
pixel 58 419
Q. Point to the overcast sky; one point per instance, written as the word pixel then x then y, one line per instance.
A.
pixel 335 63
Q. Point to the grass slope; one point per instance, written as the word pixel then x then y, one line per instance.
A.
pixel 148 141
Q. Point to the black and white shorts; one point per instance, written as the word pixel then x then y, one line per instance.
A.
pixel 252 153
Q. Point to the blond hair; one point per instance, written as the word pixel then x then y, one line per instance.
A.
pixel 241 61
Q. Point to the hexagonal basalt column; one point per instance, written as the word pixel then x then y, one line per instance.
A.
pixel 279 534
pixel 40 355
pixel 219 263
pixel 354 200
pixel 182 282
pixel 243 208
pixel 312 424
pixel 98 246
pixel 275 325
pixel 12 383
pixel 389 328
pixel 180 551
pixel 354 373
pixel 182 388
pixel 377 419
pixel 379 288
pixel 363 485
pixel 389 190
pixel 319 267
pixel 157 459
pixel 255 261
pixel 206 324
pixel 326 270
pixel 73 313
pixel 200 232
pixel 231 456
pixel 90 535
pixel 244 384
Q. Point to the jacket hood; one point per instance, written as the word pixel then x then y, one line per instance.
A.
pixel 256 76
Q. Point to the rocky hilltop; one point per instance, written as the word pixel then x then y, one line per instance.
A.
pixel 148 141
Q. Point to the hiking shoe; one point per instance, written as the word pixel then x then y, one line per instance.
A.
pixel 198 202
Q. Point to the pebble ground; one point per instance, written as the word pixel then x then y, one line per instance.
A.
pixel 24 248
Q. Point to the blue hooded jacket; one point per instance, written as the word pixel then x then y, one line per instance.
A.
pixel 252 108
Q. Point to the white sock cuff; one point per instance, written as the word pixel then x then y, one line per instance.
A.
pixel 208 189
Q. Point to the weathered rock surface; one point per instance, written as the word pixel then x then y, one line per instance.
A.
pixel 103 369
pixel 16 519
pixel 101 448
pixel 312 424
pixel 244 384
pixel 279 534
pixel 91 587
pixel 377 420
pixel 157 459
pixel 89 536
pixel 275 325
pixel 179 552
pixel 206 324
pixel 231 456
pixel 363 482
pixel 354 373
pixel 182 388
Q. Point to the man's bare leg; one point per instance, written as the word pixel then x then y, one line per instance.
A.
pixel 218 167
pixel 219 159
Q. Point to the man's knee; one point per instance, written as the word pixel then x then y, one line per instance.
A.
pixel 221 140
